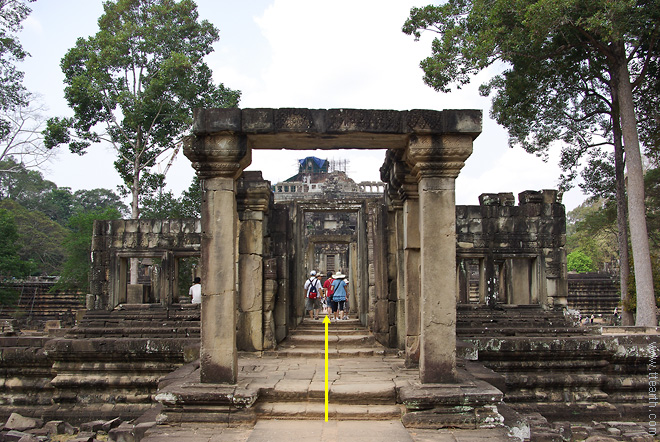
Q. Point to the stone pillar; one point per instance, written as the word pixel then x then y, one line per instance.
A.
pixel 280 234
pixel 218 159
pixel 411 268
pixel 395 259
pixel 436 161
pixel 270 293
pixel 253 199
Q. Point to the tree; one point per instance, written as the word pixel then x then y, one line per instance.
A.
pixel 164 205
pixel 191 200
pixel 12 92
pixel 11 265
pixel 591 229
pixel 579 262
pixel 21 184
pixel 22 138
pixel 33 192
pixel 98 200
pixel 39 240
pixel 611 38
pixel 135 83
pixel 78 245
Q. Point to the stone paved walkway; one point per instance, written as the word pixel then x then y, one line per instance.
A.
pixel 314 431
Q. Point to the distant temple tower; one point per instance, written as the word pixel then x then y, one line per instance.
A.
pixel 317 177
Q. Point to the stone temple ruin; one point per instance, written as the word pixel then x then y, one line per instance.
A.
pixel 468 302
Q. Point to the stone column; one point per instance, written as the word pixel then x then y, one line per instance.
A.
pixel 395 241
pixel 253 199
pixel 218 159
pixel 411 264
pixel 436 161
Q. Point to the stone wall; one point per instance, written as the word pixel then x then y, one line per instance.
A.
pixel 573 378
pixel 115 242
pixel 505 254
pixel 512 254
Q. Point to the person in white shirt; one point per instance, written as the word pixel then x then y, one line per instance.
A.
pixel 313 291
pixel 195 291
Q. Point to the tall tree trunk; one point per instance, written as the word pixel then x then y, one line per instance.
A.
pixel 135 214
pixel 646 308
pixel 627 317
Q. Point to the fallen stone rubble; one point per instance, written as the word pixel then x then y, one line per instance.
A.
pixel 610 431
pixel 26 429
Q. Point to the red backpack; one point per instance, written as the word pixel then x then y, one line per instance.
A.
pixel 331 288
pixel 312 290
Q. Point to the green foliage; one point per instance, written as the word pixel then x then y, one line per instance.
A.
pixel 631 305
pixel 8 296
pixel 33 192
pixel 163 205
pixel 39 238
pixel 560 64
pixel 78 245
pixel 11 264
pixel 652 195
pixel 191 200
pixel 579 262
pixel 12 92
pixel 591 229
pixel 27 187
pixel 139 78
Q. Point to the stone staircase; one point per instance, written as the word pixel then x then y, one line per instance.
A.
pixel 141 321
pixel 361 382
pixel 347 338
pixel 515 320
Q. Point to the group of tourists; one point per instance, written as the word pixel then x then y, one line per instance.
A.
pixel 332 294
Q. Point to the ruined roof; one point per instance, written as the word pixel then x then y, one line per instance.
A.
pixel 320 164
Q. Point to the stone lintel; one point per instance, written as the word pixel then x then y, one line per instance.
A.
pixel 334 128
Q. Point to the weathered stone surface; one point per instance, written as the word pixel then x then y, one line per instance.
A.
pixel 22 423
pixel 14 436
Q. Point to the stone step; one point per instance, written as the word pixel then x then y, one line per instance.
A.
pixel 332 354
pixel 339 324
pixel 355 340
pixel 303 390
pixel 316 411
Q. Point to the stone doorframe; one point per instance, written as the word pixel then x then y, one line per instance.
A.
pixel 434 146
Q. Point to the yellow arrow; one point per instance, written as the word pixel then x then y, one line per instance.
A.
pixel 326 321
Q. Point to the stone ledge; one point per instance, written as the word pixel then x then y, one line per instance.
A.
pixel 630 330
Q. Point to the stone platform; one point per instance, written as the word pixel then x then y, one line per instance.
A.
pixel 365 383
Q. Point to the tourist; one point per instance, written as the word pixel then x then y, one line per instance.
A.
pixel 347 307
pixel 339 295
pixel 327 294
pixel 313 291
pixel 195 291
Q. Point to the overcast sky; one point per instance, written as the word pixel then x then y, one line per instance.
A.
pixel 293 53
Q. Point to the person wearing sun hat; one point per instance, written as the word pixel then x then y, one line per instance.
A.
pixel 339 295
